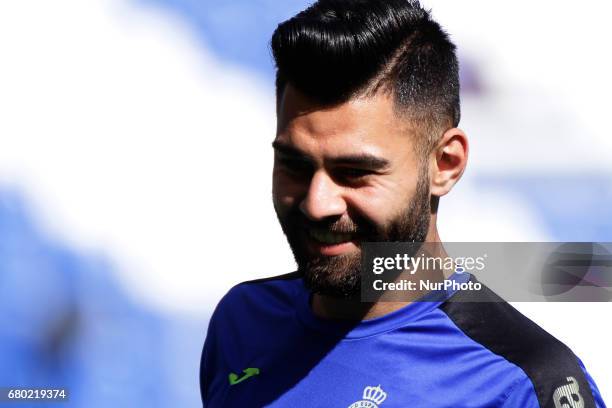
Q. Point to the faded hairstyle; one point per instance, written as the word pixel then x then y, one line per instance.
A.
pixel 336 50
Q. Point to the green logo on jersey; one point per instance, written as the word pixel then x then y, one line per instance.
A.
pixel 248 373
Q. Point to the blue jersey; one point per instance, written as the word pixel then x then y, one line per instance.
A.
pixel 265 348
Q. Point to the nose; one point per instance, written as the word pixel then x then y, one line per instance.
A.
pixel 323 199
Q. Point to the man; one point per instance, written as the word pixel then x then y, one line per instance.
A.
pixel 367 143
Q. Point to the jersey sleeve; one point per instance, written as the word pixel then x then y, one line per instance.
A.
pixel 206 360
pixel 218 336
pixel 594 390
pixel 523 394
pixel 209 361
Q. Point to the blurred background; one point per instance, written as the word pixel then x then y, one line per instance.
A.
pixel 135 166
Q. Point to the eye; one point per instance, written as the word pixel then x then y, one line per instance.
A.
pixel 353 173
pixel 295 166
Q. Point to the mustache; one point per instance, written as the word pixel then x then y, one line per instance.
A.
pixel 339 225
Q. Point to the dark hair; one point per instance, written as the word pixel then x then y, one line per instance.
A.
pixel 339 49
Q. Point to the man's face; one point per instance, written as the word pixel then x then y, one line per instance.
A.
pixel 344 175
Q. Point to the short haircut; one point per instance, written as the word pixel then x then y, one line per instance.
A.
pixel 336 50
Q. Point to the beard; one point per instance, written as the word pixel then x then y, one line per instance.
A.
pixel 340 276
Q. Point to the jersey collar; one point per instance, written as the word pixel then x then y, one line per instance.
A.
pixel 379 325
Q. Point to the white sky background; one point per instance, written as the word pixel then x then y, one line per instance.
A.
pixel 129 138
pixel 548 63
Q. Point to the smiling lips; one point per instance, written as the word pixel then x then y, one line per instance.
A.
pixel 331 243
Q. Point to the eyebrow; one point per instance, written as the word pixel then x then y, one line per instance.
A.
pixel 365 160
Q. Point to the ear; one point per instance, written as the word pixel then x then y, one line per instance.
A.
pixel 448 161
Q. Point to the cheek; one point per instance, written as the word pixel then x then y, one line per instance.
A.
pixel 372 207
pixel 380 203
pixel 285 191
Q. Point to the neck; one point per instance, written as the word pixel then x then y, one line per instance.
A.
pixel 353 309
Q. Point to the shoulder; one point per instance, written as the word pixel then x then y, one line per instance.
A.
pixel 244 317
pixel 279 288
pixel 256 296
pixel 552 370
